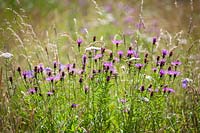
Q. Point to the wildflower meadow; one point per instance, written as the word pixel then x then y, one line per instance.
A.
pixel 99 66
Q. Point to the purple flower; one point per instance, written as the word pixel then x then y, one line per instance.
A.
pixel 169 90
pixel 116 59
pixel 173 73
pixel 49 93
pixel 74 105
pixel 154 69
pixel 31 91
pixel 176 63
pixel 154 40
pixel 184 83
pixel 139 66
pixel 107 65
pixel 84 57
pixel 61 67
pixel 98 56
pixel 162 72
pixel 79 41
pixel 120 53
pixel 162 62
pixel 117 42
pixel 130 53
pixel 123 101
pixel 28 74
pixel 164 53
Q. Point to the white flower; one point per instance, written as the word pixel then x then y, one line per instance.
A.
pixel 92 48
pixel 145 99
pixel 134 58
pixel 6 55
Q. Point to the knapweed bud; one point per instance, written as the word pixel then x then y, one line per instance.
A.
pixel 19 70
pixel 111 55
pixel 81 80
pixel 108 78
pixel 154 40
pixel 171 53
pixel 11 80
pixel 86 89
pixel 94 38
pixel 142 88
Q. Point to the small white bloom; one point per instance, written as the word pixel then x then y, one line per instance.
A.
pixel 92 48
pixel 134 58
pixel 145 99
pixel 6 55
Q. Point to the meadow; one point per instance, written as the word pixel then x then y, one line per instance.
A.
pixel 99 66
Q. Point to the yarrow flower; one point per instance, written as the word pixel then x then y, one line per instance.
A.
pixel 6 55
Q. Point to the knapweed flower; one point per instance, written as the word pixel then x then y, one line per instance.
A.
pixel 79 41
pixel 31 91
pixel 6 55
pixel 28 74
pixel 107 65
pixel 49 93
pixel 176 63
pixel 120 53
pixel 84 57
pixel 154 40
pixel 74 105
pixel 173 73
pixel 130 53
pixel 162 62
pixel 98 56
pixel 139 66
pixel 162 72
pixel 142 88
pixel 164 53
pixel 154 69
pixel 185 83
pixel 169 90
pixel 86 89
pixel 117 42
pixel 123 101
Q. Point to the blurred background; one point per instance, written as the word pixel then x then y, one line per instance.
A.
pixel 41 21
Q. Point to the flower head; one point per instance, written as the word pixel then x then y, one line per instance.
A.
pixel 139 66
pixel 6 55
pixel 117 42
pixel 31 91
pixel 154 40
pixel 164 53
pixel 185 83
pixel 176 63
pixel 79 41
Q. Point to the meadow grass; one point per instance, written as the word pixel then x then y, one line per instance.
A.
pixel 111 75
